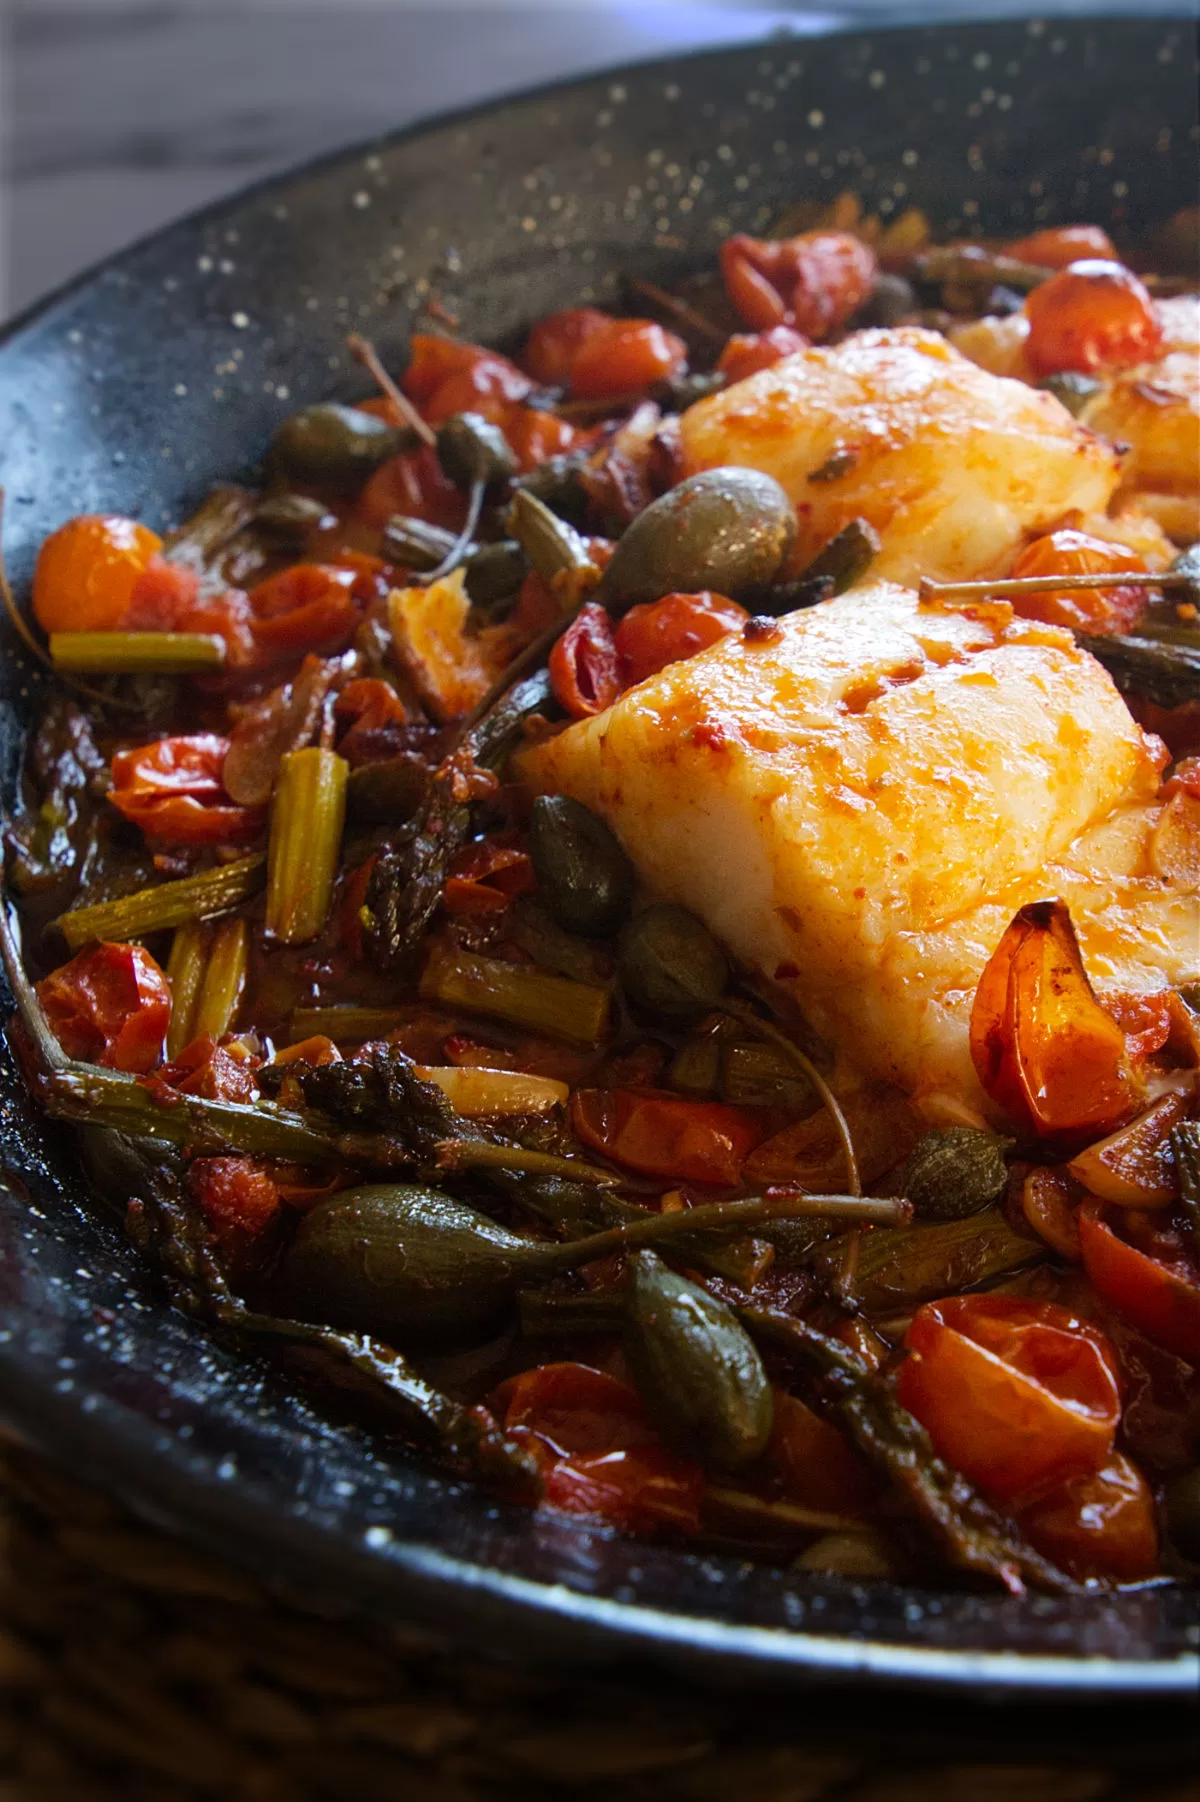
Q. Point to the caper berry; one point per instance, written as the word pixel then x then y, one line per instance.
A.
pixel 1181 1507
pixel 414 543
pixel 471 449
pixel 584 877
pixel 495 572
pixel 890 300
pixel 670 963
pixel 955 1172
pixel 291 517
pixel 725 529
pixel 1072 388
pixel 336 446
pixel 556 483
pixel 846 558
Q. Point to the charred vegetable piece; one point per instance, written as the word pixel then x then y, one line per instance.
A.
pixel 846 558
pixel 518 993
pixel 532 928
pixel 136 653
pixel 336 446
pixel 584 877
pixel 900 1267
pixel 724 530
pixel 168 904
pixel 669 963
pixel 695 1367
pixel 756 1074
pixel 955 1172
pixel 1185 1143
pixel 307 817
pixel 289 518
pixel 388 792
pixel 553 547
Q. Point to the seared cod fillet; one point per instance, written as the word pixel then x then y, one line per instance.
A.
pixel 953 466
pixel 858 808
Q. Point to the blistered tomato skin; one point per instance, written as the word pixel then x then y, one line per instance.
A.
pixel 87 570
pixel 1093 315
pixel 1071 553
pixel 628 355
pixel 745 353
pixel 110 1005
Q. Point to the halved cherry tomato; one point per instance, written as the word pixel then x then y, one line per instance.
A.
pixel 1043 1047
pixel 86 572
pixel 534 435
pixel 813 282
pixel 639 1489
pixel 555 341
pixel 1016 1394
pixel 1160 1297
pixel 1098 1525
pixel 818 1466
pixel 585 672
pixel 1049 1199
pixel 413 483
pixel 657 633
pixel 110 1005
pixel 630 354
pixel 172 789
pixel 1059 245
pixel 661 1135
pixel 1094 314
pixel 446 375
pixel 748 352
pixel 1070 553
pixel 485 876
pixel 309 607
pixel 575 1409
pixel 207 1069
pixel 368 711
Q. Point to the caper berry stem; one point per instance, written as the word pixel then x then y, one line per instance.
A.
pixel 364 352
pixel 741 1010
pixel 461 545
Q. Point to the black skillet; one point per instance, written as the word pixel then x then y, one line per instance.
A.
pixel 167 369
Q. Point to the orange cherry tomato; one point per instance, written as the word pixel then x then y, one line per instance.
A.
pixel 368 712
pixel 1049 1199
pixel 446 375
pixel 534 435
pixel 630 354
pixel 575 1409
pixel 748 352
pixel 86 571
pixel 162 597
pixel 1060 245
pixel 585 672
pixel 661 1135
pixel 1043 1047
pixel 639 1489
pixel 110 1005
pixel 817 1465
pixel 413 484
pixel 1092 315
pixel 1098 1525
pixel 813 282
pixel 1070 553
pixel 309 607
pixel 173 790
pixel 555 341
pixel 485 877
pixel 1144 1019
pixel 1016 1394
pixel 1161 1296
pixel 657 633
pixel 207 1069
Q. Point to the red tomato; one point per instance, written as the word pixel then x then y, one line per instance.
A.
pixel 533 436
pixel 585 673
pixel 661 1135
pixel 1043 1047
pixel 87 570
pixel 309 607
pixel 485 876
pixel 162 598
pixel 630 354
pixel 575 1409
pixel 1070 553
pixel 1059 245
pixel 413 484
pixel 446 375
pixel 1161 1298
pixel 354 894
pixel 368 711
pixel 1098 1525
pixel 1015 1394
pixel 555 341
pixel 639 1489
pixel 207 1069
pixel 239 1200
pixel 110 1005
pixel 818 1466
pixel 661 632
pixel 813 282
pixel 748 352
pixel 1091 315
pixel 173 791
pixel 1144 1019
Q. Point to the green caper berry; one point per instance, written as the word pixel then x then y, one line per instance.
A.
pixel 670 963
pixel 955 1172
pixel 335 445
pixel 584 877
pixel 290 517
pixel 724 529
pixel 471 449
pixel 495 572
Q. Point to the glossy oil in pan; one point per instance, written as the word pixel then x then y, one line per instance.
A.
pixel 168 369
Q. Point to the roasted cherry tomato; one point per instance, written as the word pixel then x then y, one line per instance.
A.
pixel 630 354
pixel 748 352
pixel 1060 245
pixel 209 1070
pixel 657 633
pixel 1098 1525
pixel 1092 315
pixel 1144 1019
pixel 447 376
pixel 368 712
pixel 813 282
pixel 172 789
pixel 168 597
pixel 485 876
pixel 416 485
pixel 534 436
pixel 1016 1394
pixel 817 1466
pixel 1043 1047
pixel 1070 553
pixel 575 1409
pixel 354 896
pixel 239 1201
pixel 1157 1289
pixel 110 1005
pixel 585 671
pixel 662 1135
pixel 309 607
pixel 640 1489
pixel 86 572
pixel 555 341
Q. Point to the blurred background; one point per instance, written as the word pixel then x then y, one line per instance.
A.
pixel 118 115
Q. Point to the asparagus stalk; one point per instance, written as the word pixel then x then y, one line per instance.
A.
pixel 307 817
pixel 136 653
pixel 167 904
pixel 345 1024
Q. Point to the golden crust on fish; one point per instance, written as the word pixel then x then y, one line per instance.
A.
pixel 953 466
pixel 857 809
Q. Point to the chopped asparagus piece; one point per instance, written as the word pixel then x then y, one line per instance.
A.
pixel 307 817
pixel 136 653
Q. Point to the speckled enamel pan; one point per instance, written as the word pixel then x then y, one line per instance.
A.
pixel 168 369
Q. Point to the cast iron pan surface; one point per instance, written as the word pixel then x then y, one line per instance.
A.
pixel 168 369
